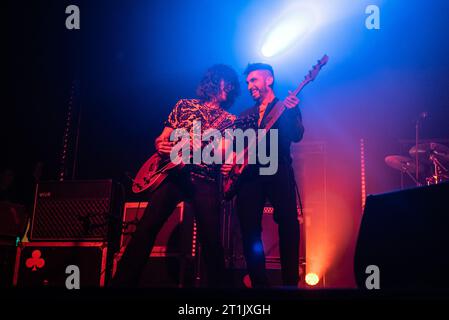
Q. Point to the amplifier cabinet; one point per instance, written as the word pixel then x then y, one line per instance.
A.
pixel 174 238
pixel 171 262
pixel 72 210
pixel 44 264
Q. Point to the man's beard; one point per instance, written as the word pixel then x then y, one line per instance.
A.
pixel 259 95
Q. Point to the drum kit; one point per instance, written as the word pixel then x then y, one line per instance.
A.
pixel 429 160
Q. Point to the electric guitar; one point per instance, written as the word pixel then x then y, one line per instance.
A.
pixel 157 168
pixel 230 182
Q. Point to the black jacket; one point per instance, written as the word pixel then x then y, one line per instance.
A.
pixel 289 125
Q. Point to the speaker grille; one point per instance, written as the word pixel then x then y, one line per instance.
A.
pixel 72 211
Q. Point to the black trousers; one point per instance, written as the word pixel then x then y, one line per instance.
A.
pixel 252 193
pixel 204 198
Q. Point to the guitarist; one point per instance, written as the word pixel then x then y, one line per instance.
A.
pixel 196 183
pixel 254 189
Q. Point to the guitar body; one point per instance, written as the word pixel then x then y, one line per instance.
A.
pixel 153 172
pixel 156 169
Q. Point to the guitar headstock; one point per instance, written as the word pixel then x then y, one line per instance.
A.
pixel 316 69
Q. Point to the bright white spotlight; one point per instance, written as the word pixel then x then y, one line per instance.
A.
pixel 288 31
pixel 312 279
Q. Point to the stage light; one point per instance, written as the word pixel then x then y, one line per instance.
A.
pixel 247 281
pixel 258 248
pixel 312 279
pixel 288 31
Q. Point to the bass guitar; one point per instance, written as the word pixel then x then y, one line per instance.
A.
pixel 230 182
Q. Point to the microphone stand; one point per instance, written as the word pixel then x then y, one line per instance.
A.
pixel 416 152
pixel 423 115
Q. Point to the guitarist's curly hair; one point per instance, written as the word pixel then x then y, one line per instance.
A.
pixel 209 86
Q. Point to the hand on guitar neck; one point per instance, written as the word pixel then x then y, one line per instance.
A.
pixel 291 101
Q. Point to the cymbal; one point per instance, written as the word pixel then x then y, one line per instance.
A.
pixel 401 163
pixel 424 150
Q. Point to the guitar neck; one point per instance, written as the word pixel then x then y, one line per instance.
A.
pixel 279 108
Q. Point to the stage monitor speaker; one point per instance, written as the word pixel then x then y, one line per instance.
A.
pixel 72 211
pixel 406 235
pixel 43 264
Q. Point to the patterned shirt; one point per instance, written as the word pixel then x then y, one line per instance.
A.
pixel 185 112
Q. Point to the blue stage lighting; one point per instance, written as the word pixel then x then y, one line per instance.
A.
pixel 258 248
